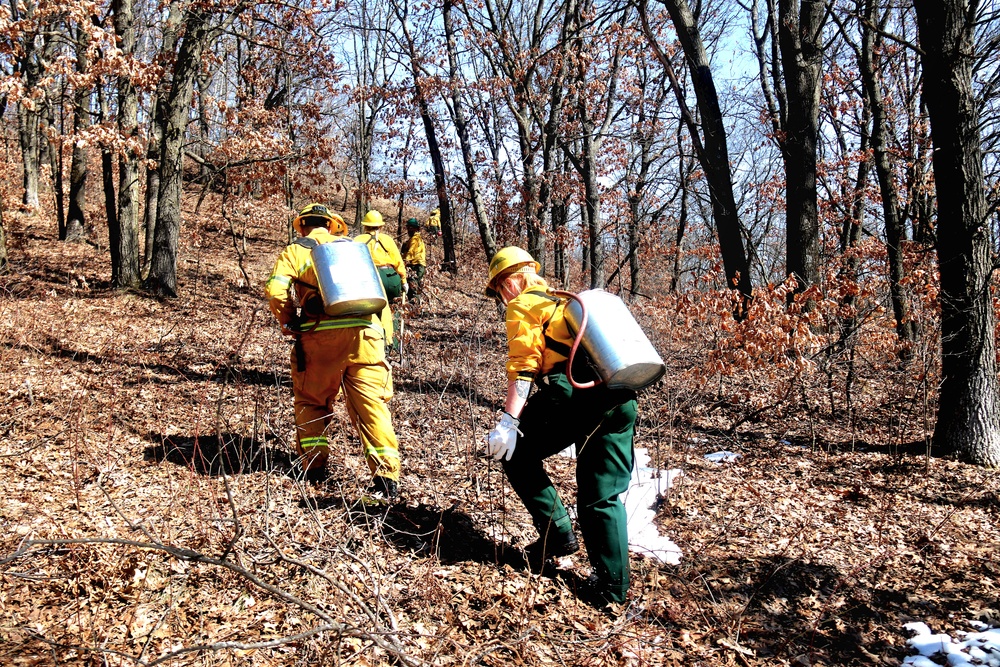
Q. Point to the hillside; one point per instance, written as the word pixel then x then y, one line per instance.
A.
pixel 149 517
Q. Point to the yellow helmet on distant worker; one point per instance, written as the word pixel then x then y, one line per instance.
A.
pixel 318 215
pixel 372 219
pixel 509 260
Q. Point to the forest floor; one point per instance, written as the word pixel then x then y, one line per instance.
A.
pixel 150 518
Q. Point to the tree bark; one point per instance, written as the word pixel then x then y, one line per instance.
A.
pixel 714 156
pixel 4 261
pixel 79 168
pixel 108 182
pixel 126 273
pixel 800 25
pixel 968 420
pixel 198 33
pixel 30 67
pixel 894 231
pixel 27 131
pixel 462 129
pixel 157 125
pixel 53 149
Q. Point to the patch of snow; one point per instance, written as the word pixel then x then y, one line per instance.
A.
pixel 934 650
pixel 640 499
pixel 722 457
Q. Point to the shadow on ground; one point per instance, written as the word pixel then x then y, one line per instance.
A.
pixel 213 455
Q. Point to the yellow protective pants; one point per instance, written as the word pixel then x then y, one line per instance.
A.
pixel 352 359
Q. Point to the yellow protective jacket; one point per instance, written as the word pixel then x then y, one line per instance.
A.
pixel 415 251
pixel 294 271
pixel 384 252
pixel 538 337
pixel 434 221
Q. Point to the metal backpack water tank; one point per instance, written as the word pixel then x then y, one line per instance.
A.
pixel 347 278
pixel 615 342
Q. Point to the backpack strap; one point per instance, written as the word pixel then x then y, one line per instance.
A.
pixel 551 343
pixel 377 239
pixel 306 242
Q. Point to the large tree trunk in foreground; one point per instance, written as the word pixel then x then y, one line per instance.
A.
pixel 968 419
pixel 800 26
pixel 198 33
pixel 714 156
pixel 125 273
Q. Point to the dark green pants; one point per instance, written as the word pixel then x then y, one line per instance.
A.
pixel 414 280
pixel 602 424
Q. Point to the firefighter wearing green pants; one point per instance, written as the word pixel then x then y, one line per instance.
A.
pixel 600 421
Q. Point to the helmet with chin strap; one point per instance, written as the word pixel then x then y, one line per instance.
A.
pixel 507 261
pixel 318 215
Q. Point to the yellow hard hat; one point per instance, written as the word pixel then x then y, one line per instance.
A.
pixel 319 214
pixel 509 260
pixel 372 219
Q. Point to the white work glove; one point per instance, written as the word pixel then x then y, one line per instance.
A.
pixel 502 439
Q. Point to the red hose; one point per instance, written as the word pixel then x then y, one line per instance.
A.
pixel 576 342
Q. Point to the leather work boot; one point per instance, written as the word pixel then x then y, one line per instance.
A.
pixel 317 476
pixel 383 489
pixel 552 545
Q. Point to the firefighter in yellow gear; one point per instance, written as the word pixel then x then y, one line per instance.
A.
pixel 434 223
pixel 415 257
pixel 391 268
pixel 599 420
pixel 330 354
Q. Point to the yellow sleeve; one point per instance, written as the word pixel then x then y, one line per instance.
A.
pixel 279 286
pixel 525 338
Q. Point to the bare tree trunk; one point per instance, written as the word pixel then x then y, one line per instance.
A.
pixel 108 183
pixel 4 262
pixel 592 202
pixel 968 420
pixel 894 231
pixel 560 266
pixel 27 130
pixel 53 148
pixel 533 235
pixel 800 25
pixel 79 168
pixel 449 261
pixel 174 16
pixel 682 218
pixel 198 33
pixel 462 129
pixel 714 149
pixel 127 273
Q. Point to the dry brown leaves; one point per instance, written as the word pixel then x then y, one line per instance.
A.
pixel 149 516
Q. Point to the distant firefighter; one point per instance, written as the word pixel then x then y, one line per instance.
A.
pixel 391 269
pixel 434 223
pixel 415 258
